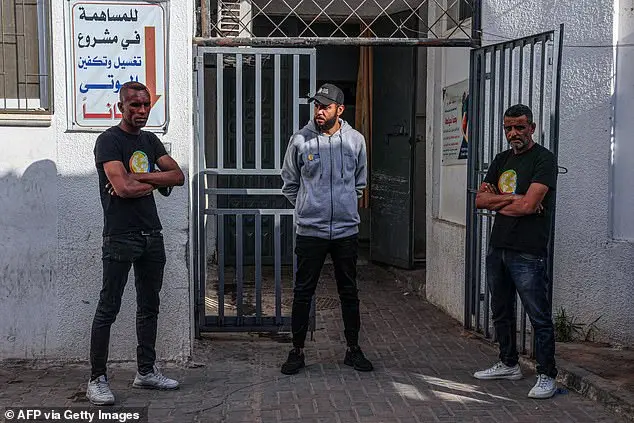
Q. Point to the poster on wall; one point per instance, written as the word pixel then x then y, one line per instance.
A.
pixel 455 126
pixel 108 44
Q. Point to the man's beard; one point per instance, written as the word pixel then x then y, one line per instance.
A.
pixel 328 125
pixel 522 146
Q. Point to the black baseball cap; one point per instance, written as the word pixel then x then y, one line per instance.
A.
pixel 328 94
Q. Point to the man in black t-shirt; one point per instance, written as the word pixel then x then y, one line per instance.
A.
pixel 520 187
pixel 127 159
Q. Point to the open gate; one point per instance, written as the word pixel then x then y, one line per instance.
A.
pixel 528 71
pixel 249 102
pixel 255 64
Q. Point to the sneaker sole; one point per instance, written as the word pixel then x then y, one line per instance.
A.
pixel 142 386
pixel 351 364
pixel 100 402
pixel 547 396
pixel 506 377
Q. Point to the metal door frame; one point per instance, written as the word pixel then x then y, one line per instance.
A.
pixel 199 192
pixel 490 94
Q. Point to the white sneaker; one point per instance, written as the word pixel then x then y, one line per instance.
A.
pixel 500 371
pixel 98 392
pixel 154 380
pixel 545 387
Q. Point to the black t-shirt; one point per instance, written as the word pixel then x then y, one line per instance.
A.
pixel 139 154
pixel 513 174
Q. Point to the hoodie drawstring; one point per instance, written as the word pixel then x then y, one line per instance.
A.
pixel 321 168
pixel 341 151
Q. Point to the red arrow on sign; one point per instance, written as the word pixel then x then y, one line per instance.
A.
pixel 150 62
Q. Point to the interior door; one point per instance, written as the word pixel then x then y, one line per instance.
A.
pixel 393 144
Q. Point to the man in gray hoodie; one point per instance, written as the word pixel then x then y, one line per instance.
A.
pixel 324 174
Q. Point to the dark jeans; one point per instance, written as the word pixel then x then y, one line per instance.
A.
pixel 311 254
pixel 509 272
pixel 146 252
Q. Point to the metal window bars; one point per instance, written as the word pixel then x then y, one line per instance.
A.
pixel 353 22
pixel 25 66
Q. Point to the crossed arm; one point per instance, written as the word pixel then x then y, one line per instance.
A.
pixel 512 205
pixel 135 185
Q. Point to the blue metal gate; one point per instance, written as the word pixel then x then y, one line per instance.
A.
pixel 249 102
pixel 528 71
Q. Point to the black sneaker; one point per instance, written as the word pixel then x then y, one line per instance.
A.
pixel 356 359
pixel 294 362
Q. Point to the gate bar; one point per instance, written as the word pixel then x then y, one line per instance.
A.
pixel 502 89
pixel 521 73
pixel 249 324
pixel 481 106
pixel 541 94
pixel 332 41
pixel 198 218
pixel 239 140
pixel 471 193
pixel 258 268
pixel 511 60
pixel 531 76
pixel 278 270
pixel 219 110
pixel 239 269
pixel 221 269
pixel 258 111
pixel 278 116
pixel 295 93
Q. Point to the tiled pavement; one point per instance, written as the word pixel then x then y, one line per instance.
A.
pixel 423 366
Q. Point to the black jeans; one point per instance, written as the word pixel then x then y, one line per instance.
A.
pixel 146 252
pixel 509 272
pixel 311 254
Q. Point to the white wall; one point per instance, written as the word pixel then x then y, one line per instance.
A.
pixel 50 256
pixel 446 186
pixel 623 158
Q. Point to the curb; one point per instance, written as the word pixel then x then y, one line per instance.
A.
pixel 592 387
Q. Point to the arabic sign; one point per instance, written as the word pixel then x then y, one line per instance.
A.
pixel 114 42
pixel 455 125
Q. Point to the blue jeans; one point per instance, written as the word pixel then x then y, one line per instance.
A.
pixel 508 272
pixel 146 252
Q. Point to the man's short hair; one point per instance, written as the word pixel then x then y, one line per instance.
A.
pixel 519 110
pixel 132 85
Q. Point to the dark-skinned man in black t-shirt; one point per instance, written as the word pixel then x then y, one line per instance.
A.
pixel 520 187
pixel 127 159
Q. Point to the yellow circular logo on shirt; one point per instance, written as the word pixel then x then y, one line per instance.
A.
pixel 507 184
pixel 139 162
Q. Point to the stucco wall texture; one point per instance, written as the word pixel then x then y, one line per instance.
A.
pixel 50 254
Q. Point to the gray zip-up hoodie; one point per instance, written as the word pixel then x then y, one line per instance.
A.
pixel 323 178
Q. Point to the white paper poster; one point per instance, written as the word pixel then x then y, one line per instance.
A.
pixel 112 43
pixel 455 126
